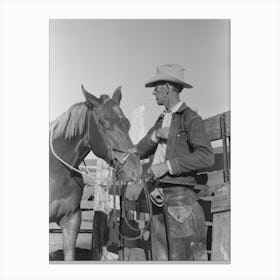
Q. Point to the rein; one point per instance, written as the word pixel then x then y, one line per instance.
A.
pixel 64 162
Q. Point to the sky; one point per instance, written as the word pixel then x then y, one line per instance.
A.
pixel 105 54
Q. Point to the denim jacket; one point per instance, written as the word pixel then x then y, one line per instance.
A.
pixel 188 146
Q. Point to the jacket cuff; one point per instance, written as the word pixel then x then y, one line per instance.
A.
pixel 174 166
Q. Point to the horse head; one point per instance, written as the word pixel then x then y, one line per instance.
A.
pixel 113 143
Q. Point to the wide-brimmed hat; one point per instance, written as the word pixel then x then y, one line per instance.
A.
pixel 170 73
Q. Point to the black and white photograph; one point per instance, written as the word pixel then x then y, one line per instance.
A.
pixel 139 139
pixel 139 158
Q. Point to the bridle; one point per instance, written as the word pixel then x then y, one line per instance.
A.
pixel 118 181
pixel 117 163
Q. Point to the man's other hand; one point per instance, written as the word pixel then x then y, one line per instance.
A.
pixel 162 133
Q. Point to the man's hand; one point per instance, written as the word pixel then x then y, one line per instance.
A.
pixel 158 170
pixel 162 133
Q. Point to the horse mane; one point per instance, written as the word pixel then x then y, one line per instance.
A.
pixel 72 123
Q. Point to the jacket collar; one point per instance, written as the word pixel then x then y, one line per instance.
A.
pixel 182 108
pixel 175 108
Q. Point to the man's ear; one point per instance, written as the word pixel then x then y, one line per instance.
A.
pixel 167 88
pixel 91 100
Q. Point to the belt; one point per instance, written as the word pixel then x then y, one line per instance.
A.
pixel 175 189
pixel 174 186
pixel 157 195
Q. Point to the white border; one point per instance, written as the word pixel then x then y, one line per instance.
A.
pixel 255 137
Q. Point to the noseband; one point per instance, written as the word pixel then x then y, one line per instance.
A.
pixel 119 164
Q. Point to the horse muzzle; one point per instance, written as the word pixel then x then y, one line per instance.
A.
pixel 127 164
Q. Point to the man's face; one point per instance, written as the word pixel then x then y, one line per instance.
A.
pixel 161 92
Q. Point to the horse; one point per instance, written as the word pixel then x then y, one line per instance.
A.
pixel 98 125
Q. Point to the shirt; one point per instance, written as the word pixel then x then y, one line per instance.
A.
pixel 161 147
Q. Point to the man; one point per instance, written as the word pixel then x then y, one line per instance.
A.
pixel 179 146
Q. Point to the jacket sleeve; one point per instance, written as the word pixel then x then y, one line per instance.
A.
pixel 201 155
pixel 146 146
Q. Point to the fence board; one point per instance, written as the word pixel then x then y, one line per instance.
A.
pixel 221 200
pixel 212 126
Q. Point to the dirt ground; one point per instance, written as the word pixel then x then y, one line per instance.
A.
pixel 83 244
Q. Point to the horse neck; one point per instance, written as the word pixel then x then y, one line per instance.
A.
pixel 72 151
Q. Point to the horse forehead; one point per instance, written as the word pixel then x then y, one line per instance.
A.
pixel 118 111
pixel 111 111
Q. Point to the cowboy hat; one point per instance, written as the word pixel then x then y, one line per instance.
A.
pixel 170 73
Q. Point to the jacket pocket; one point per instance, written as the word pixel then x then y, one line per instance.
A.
pixel 182 144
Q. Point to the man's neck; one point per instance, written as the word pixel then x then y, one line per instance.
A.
pixel 171 103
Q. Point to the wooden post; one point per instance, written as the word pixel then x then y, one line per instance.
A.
pixel 221 224
pixel 221 237
pixel 225 149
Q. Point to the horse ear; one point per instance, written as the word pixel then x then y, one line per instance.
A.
pixel 91 100
pixel 117 95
